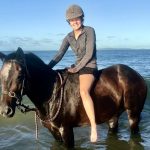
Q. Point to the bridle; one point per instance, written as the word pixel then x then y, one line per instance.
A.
pixel 23 108
pixel 14 95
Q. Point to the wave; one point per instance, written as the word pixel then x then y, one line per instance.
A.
pixel 147 79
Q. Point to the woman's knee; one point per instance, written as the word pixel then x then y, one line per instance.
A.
pixel 84 93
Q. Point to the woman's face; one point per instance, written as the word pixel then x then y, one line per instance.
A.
pixel 75 23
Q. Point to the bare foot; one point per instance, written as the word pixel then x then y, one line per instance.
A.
pixel 93 135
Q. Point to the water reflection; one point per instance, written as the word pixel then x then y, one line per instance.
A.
pixel 113 142
pixel 19 131
pixel 107 142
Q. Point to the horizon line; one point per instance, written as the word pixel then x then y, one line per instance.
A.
pixel 70 49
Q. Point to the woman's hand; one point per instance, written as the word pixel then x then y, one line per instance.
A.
pixel 72 70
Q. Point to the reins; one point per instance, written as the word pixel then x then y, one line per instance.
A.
pixel 59 107
pixel 60 100
pixel 50 119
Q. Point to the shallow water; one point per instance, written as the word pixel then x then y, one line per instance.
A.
pixel 18 133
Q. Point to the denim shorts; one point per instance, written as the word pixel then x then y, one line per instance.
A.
pixel 88 70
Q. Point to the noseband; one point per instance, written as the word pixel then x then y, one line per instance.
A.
pixel 23 108
pixel 14 95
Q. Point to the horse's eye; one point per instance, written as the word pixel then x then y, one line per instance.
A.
pixel 19 78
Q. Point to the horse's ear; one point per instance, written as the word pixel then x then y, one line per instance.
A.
pixel 2 56
pixel 20 55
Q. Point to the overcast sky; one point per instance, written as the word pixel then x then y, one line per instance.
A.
pixel 41 24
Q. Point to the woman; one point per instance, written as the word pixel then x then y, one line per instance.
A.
pixel 82 40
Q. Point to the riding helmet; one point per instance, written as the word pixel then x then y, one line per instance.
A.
pixel 74 11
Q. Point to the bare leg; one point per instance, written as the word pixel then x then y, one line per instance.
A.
pixel 86 81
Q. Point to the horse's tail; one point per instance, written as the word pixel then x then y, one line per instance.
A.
pixel 134 95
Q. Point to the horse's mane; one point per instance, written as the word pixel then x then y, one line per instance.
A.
pixel 32 58
pixel 39 72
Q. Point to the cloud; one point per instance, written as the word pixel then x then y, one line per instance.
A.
pixel 111 37
pixel 2 42
pixel 9 43
pixel 126 39
pixel 60 34
pixel 46 40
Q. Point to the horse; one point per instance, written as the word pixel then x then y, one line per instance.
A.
pixel 56 97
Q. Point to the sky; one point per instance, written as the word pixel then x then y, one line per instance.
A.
pixel 41 24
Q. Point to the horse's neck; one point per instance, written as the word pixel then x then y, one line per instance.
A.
pixel 41 94
pixel 40 86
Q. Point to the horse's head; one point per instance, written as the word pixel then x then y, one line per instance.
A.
pixel 12 81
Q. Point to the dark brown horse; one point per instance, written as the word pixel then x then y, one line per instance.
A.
pixel 56 97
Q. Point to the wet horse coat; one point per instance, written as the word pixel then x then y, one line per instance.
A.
pixel 116 89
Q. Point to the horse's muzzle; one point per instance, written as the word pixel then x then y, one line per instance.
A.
pixel 6 111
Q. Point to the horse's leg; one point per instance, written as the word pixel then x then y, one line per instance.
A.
pixel 68 136
pixel 134 118
pixel 113 124
pixel 54 131
pixel 56 134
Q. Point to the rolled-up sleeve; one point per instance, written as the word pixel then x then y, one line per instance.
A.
pixel 63 48
pixel 90 48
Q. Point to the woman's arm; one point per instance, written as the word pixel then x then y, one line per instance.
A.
pixel 64 47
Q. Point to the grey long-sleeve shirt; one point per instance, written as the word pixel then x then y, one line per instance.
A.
pixel 84 48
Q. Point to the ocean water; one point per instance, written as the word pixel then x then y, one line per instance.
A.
pixel 19 132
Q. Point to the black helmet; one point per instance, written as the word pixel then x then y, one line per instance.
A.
pixel 74 11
